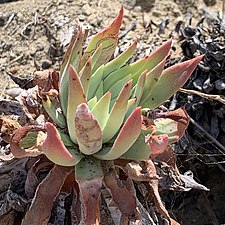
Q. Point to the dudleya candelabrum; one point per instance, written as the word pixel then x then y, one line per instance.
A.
pixel 98 106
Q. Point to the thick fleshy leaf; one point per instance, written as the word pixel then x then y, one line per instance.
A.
pixel 137 68
pixel 67 54
pixel 153 59
pixel 173 123
pixel 117 87
pixel 88 131
pixel 130 103
pixel 137 92
pixel 125 139
pixel 108 38
pixel 139 150
pixel 95 57
pixel 139 88
pixel 72 57
pixel 85 75
pixel 55 113
pixel 76 50
pixel 65 138
pixel 55 150
pixel 101 109
pixel 95 81
pixel 50 145
pixel 89 175
pixel 99 91
pixel 151 79
pixel 117 113
pixel 76 96
pixel 120 60
pixel 170 81
pixel 121 73
pixel 92 102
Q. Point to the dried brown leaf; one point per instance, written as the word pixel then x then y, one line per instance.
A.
pixel 146 171
pixel 124 199
pixel 90 191
pixel 8 219
pixel 34 177
pixel 168 156
pixel 40 209
pixel 19 135
pixel 46 79
pixel 8 124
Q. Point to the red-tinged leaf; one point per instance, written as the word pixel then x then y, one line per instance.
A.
pixel 152 60
pixel 108 38
pixel 124 199
pixel 51 146
pixel 67 54
pixel 45 195
pixel 170 81
pixel 55 150
pixel 88 131
pixel 89 175
pixel 126 137
pixel 173 123
pixel 157 143
pixel 117 113
pixel 76 96
pixel 73 58
pixel 151 79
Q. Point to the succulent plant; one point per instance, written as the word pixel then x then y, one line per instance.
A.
pixel 102 111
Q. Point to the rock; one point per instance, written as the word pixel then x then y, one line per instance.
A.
pixel 46 64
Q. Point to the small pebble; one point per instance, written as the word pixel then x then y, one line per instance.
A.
pixel 46 64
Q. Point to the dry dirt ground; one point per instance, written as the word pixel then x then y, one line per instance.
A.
pixel 35 34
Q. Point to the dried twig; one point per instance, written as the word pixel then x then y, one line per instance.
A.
pixel 128 29
pixel 219 98
pixel 25 28
pixel 16 59
pixel 208 135
pixel 9 20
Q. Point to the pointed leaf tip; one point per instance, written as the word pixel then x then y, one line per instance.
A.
pixel 170 81
pixel 108 37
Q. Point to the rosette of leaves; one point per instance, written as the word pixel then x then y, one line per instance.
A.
pixel 99 108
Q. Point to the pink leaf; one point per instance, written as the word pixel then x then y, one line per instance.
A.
pixel 54 148
pixel 157 143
